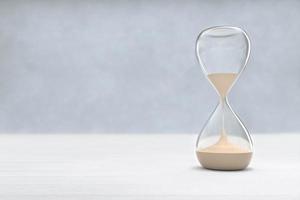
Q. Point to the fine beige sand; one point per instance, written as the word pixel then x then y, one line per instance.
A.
pixel 222 82
pixel 224 156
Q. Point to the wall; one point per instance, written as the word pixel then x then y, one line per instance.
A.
pixel 130 66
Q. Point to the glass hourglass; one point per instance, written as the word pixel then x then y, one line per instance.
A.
pixel 224 142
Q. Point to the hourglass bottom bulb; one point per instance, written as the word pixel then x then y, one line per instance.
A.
pixel 224 156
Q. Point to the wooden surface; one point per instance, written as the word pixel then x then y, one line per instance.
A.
pixel 141 166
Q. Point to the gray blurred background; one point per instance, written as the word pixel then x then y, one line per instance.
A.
pixel 130 66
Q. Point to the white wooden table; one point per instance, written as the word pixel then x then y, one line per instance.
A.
pixel 141 166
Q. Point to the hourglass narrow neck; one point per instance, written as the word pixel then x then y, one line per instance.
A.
pixel 223 101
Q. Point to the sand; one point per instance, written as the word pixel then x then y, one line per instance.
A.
pixel 222 82
pixel 223 155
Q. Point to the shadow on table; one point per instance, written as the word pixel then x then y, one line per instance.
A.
pixel 199 168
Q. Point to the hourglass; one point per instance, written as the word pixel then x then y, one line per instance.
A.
pixel 224 143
